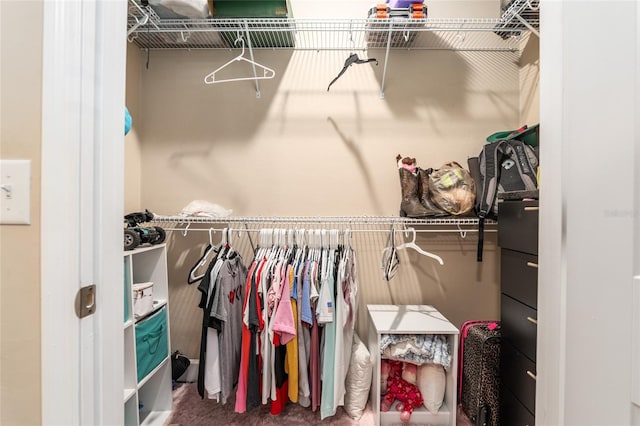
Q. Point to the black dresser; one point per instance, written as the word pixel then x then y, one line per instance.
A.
pixel 518 241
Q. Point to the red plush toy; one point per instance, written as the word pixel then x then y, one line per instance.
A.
pixel 401 385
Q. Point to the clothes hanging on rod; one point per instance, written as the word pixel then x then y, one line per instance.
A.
pixel 294 329
pixel 221 290
pixel 280 331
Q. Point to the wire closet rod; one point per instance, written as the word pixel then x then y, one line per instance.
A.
pixel 321 220
pixel 186 230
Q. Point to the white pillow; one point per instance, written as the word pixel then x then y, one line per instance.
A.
pixel 432 382
pixel 358 381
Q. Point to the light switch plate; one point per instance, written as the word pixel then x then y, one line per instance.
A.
pixel 15 192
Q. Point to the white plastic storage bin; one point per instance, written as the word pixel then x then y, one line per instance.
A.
pixel 142 299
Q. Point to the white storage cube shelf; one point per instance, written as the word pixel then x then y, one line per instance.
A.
pixel 412 319
pixel 148 401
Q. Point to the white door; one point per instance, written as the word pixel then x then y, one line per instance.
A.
pixel 84 53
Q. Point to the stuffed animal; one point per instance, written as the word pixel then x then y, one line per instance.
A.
pixel 401 385
pixel 408 163
pixel 384 374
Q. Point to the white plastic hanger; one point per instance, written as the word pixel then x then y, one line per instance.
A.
pixel 299 236
pixel 267 73
pixel 347 239
pixel 412 245
pixel 225 234
pixel 334 238
pixel 194 274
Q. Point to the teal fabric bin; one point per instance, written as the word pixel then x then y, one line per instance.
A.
pixel 127 292
pixel 152 343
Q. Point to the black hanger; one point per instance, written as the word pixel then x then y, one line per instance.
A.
pixel 352 59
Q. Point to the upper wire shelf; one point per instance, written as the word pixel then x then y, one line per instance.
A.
pixel 149 31
pixel 521 14
pixel 322 220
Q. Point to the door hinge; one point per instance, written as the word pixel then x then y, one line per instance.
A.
pixel 86 301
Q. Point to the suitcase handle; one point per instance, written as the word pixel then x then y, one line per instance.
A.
pixel 532 265
pixel 530 374
pixel 531 208
pixel 532 320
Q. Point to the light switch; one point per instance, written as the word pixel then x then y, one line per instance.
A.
pixel 15 192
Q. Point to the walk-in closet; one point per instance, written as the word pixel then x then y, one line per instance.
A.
pixel 301 151
pixel 288 131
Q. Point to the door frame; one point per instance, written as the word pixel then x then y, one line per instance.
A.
pixel 83 87
pixel 589 103
pixel 65 266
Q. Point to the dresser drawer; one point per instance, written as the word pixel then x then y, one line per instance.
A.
pixel 519 276
pixel 512 412
pixel 519 325
pixel 518 226
pixel 518 375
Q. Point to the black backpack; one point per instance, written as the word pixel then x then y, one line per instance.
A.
pixel 503 166
pixel 179 365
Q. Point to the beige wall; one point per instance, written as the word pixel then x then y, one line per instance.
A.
pixel 334 150
pixel 300 150
pixel 20 118
pixel 529 81
pixel 132 170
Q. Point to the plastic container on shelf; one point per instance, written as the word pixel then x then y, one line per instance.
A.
pixel 142 299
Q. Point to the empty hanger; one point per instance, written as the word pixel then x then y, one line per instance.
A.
pixel 412 245
pixel 267 73
pixel 351 59
pixel 208 251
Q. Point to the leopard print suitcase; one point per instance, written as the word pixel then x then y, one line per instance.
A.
pixel 479 380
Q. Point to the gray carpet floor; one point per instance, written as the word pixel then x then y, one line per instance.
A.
pixel 191 410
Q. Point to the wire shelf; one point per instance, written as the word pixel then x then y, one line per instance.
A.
pixel 520 14
pixel 149 31
pixel 321 220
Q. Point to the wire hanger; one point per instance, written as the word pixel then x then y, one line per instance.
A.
pixel 267 73
pixel 412 245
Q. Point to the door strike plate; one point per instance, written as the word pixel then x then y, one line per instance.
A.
pixel 86 301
